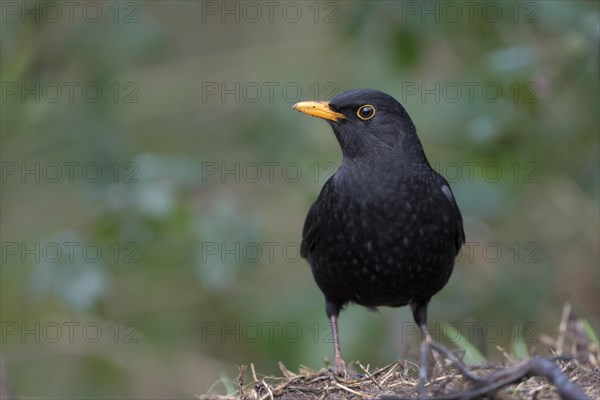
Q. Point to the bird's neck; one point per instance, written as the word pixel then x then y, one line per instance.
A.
pixel 380 171
pixel 387 159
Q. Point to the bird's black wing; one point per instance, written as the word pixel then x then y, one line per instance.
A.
pixel 312 224
pixel 460 232
pixel 310 232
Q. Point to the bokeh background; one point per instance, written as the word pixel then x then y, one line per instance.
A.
pixel 155 181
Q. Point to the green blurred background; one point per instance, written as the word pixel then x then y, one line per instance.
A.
pixel 151 215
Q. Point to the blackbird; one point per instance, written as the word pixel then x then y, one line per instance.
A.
pixel 385 229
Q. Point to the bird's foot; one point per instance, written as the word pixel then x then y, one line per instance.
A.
pixel 339 368
pixel 438 350
pixel 438 366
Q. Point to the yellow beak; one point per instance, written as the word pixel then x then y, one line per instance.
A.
pixel 319 109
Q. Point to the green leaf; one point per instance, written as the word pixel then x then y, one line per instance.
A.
pixel 519 348
pixel 229 387
pixel 472 355
pixel 589 331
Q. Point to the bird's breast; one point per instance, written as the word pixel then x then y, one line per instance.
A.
pixel 383 246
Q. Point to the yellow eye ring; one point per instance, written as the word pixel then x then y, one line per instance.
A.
pixel 365 112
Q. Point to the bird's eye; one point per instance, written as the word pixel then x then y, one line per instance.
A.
pixel 366 112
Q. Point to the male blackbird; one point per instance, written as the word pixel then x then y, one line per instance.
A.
pixel 385 229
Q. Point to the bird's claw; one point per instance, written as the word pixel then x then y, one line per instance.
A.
pixel 339 368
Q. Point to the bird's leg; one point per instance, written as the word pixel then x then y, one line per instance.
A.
pixel 426 347
pixel 339 365
pixel 419 310
pixel 428 341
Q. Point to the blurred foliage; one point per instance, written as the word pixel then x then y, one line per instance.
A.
pixel 199 268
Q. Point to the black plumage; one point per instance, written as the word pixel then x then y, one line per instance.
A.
pixel 385 229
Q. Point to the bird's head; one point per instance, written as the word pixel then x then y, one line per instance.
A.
pixel 368 122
